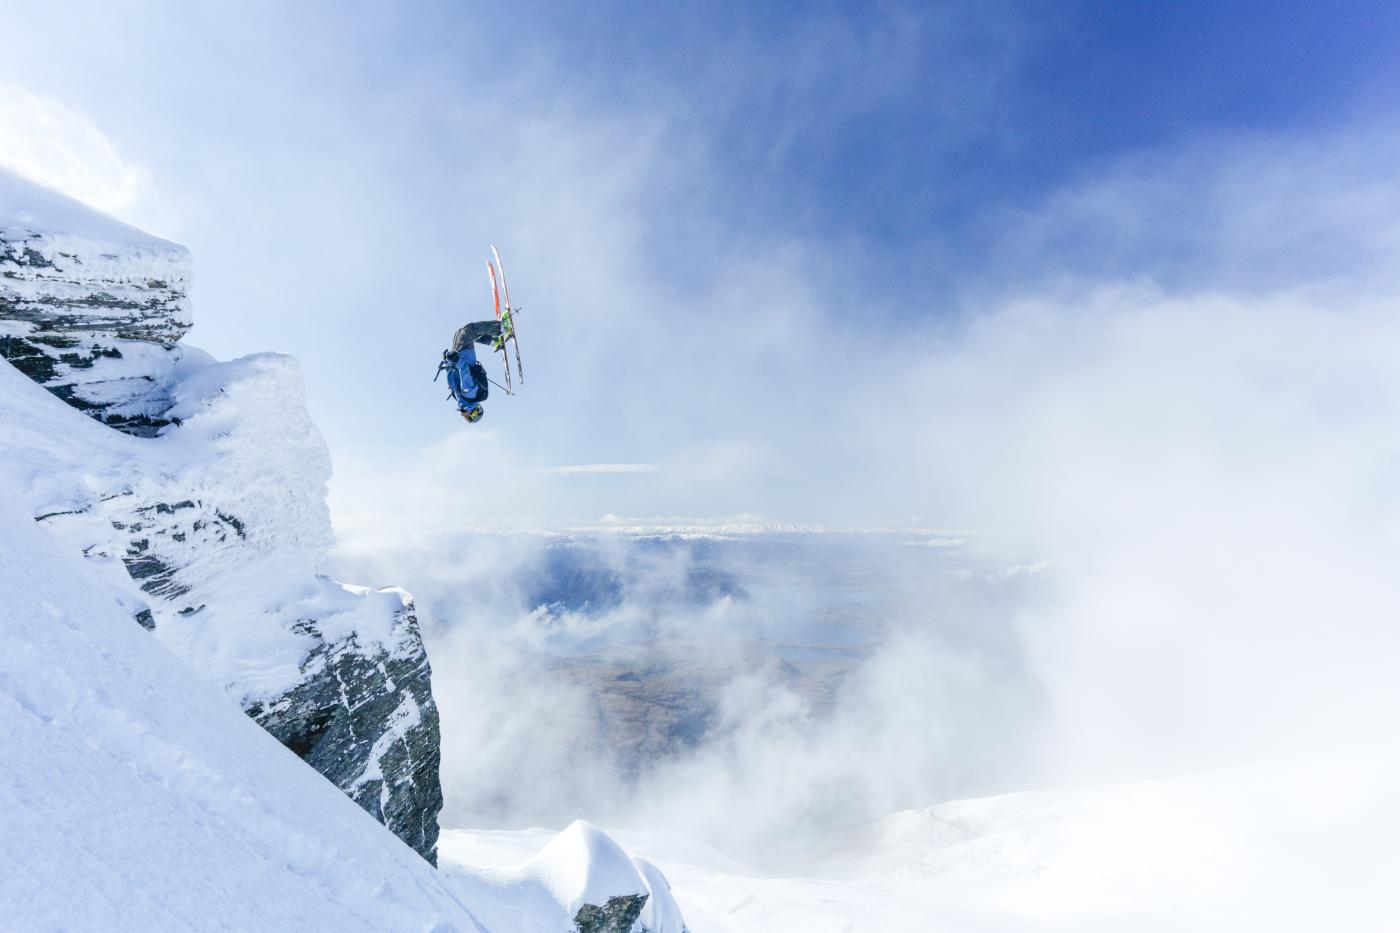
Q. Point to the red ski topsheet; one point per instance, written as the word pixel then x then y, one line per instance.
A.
pixel 495 295
pixel 505 286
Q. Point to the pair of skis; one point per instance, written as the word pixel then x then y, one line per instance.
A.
pixel 506 317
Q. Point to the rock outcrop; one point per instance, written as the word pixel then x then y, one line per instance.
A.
pixel 91 308
pixel 365 718
pixel 210 525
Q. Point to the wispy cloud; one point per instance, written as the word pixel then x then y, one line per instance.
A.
pixel 600 468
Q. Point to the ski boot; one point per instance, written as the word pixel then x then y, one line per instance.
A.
pixel 507 332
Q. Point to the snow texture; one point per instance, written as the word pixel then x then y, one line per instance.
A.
pixel 133 796
pixel 1293 845
pixel 580 866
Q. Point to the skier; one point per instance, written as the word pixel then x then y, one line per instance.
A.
pixel 465 376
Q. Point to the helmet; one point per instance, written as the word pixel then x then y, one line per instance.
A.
pixel 473 414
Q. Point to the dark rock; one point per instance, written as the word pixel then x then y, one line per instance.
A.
pixel 363 715
pixel 367 720
pixel 66 310
pixel 618 915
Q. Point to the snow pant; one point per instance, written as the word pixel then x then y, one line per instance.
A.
pixel 475 332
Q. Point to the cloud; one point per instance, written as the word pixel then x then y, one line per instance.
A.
pixel 1208 460
pixel 50 142
pixel 601 468
pixel 1236 211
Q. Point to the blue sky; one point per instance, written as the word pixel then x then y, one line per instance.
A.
pixel 704 208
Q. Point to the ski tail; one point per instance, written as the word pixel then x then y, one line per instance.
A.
pixel 505 289
pixel 495 295
pixel 496 300
pixel 510 312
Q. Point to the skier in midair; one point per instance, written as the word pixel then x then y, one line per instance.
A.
pixel 465 376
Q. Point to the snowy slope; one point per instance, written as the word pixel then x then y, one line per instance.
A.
pixel 135 796
pixel 1296 844
pixel 212 532
pixel 1303 844
pixel 214 535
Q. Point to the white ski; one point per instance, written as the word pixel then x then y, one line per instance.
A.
pixel 511 322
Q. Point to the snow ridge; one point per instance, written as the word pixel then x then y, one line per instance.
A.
pixel 90 307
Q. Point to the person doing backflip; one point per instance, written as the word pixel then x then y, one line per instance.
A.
pixel 465 376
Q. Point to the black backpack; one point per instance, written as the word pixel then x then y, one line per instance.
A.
pixel 483 385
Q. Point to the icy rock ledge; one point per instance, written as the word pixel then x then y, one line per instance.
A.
pixel 90 308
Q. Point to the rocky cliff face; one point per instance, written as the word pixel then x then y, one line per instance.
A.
pixel 365 718
pixel 210 524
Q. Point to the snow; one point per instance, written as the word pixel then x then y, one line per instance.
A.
pixel 1298 844
pixel 581 865
pixel 661 911
pixel 80 247
pixel 246 445
pixel 33 208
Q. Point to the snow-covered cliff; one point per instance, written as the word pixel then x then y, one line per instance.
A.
pixel 210 526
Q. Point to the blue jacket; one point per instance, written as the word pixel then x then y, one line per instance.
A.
pixel 467 388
